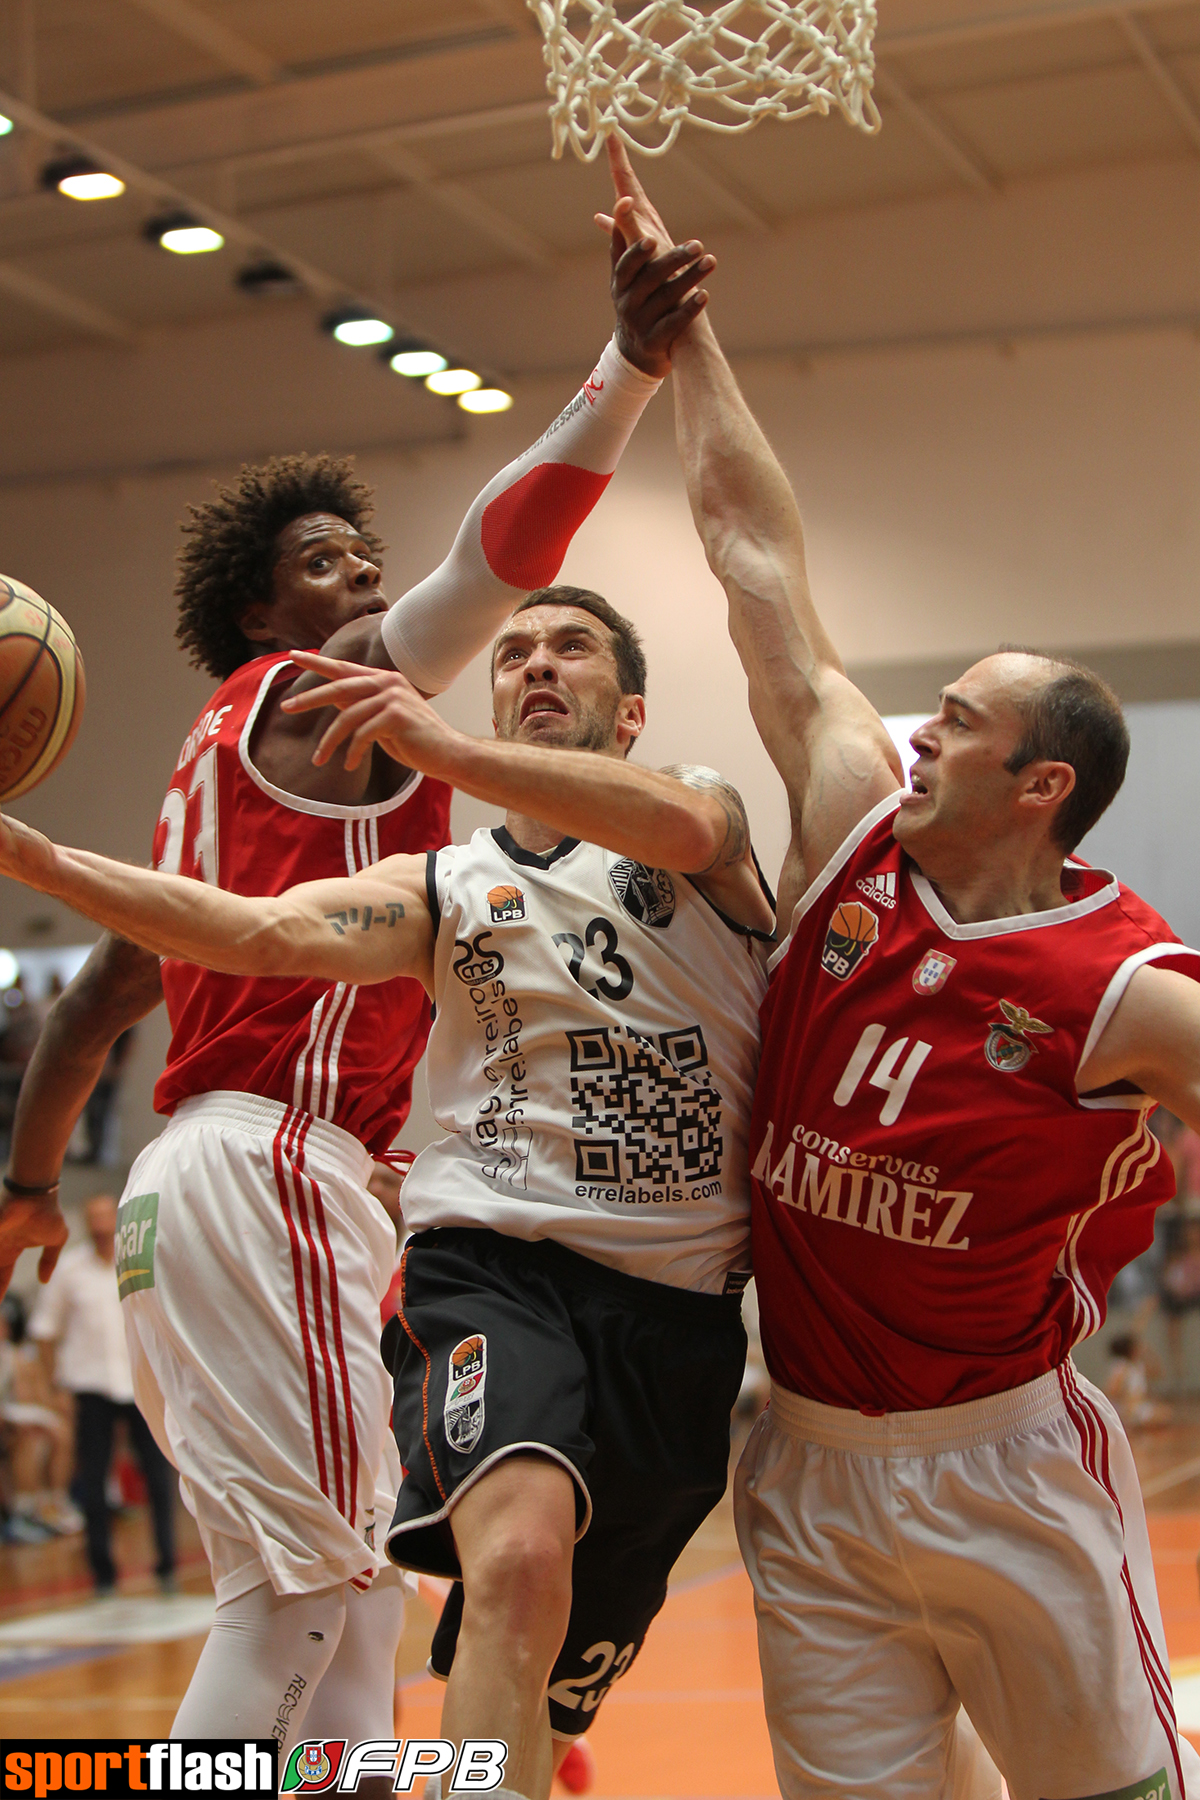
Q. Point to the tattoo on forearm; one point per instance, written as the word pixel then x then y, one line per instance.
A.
pixel 390 913
pixel 737 833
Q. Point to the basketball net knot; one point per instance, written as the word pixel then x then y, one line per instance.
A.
pixel 725 65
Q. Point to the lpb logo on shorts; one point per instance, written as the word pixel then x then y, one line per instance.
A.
pixel 463 1412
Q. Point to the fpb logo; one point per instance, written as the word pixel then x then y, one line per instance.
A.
pixel 326 1766
pixel 312 1768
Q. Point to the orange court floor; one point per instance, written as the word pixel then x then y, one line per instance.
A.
pixel 686 1721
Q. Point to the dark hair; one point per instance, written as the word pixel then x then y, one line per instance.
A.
pixel 1074 717
pixel 231 547
pixel 626 644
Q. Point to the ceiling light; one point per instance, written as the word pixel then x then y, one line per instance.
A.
pixel 80 179
pixel 416 361
pixel 8 968
pixel 181 234
pixel 485 400
pixel 351 325
pixel 6 125
pixel 453 381
pixel 266 276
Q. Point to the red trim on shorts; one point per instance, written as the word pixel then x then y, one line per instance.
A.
pixel 314 1398
pixel 335 1319
pixel 1093 1437
pixel 295 1158
pixel 424 1385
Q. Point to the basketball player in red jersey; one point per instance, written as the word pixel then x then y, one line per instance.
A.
pixel 965 1032
pixel 248 1234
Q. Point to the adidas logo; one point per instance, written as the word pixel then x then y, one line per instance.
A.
pixel 880 887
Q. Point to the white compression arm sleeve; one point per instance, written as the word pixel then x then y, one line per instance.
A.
pixel 517 533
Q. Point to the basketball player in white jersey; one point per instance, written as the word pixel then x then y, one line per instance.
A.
pixel 569 1343
pixel 256 1333
pixel 963 1038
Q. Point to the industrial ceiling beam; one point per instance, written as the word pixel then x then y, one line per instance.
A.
pixel 47 298
pixel 208 34
pixel 1179 102
pixel 453 197
pixel 236 231
pixel 953 152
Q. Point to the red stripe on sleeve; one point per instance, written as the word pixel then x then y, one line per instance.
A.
pixel 527 529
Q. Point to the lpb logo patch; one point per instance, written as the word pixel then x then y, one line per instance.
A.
pixel 853 929
pixel 507 904
pixel 312 1768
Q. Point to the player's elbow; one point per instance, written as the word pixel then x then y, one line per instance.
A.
pixel 697 838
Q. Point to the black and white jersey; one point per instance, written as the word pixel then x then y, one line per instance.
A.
pixel 593 1058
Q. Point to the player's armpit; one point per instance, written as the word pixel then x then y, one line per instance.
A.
pixel 1152 1041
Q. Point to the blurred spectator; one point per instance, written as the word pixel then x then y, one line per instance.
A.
pixel 1130 1371
pixel 78 1321
pixel 1185 1154
pixel 35 1438
pixel 1180 1289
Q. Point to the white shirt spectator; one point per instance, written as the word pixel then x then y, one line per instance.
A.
pixel 80 1308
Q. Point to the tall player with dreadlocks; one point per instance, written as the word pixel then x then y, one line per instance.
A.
pixel 258 1255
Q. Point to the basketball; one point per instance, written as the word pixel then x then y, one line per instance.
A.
pixel 41 688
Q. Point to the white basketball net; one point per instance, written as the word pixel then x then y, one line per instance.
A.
pixel 726 65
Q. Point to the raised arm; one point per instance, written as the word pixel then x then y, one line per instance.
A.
pixel 363 928
pixel 685 819
pixel 117 986
pixel 518 530
pixel 825 738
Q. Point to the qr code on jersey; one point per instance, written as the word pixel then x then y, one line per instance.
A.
pixel 638 1114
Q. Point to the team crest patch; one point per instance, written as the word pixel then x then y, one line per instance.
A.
pixel 853 929
pixel 466 1376
pixel 507 904
pixel 312 1768
pixel 1007 1046
pixel 648 895
pixel 931 972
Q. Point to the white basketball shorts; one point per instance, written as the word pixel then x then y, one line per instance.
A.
pixel 251 1261
pixel 994 1553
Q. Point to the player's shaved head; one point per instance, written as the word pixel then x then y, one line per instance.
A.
pixel 1068 714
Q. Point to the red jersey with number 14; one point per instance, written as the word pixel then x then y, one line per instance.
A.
pixel 341 1052
pixel 937 1212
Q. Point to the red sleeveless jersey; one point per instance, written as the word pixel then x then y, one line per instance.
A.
pixel 343 1053
pixel 937 1213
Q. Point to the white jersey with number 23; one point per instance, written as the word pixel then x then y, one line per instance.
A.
pixel 593 1058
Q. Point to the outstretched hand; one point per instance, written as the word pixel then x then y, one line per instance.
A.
pixel 655 283
pixel 30 1224
pixel 375 706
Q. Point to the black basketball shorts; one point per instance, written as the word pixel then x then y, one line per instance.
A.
pixel 503 1345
